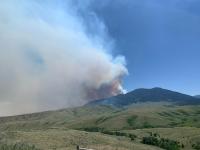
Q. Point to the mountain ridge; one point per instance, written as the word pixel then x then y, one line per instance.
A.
pixel 147 95
pixel 197 96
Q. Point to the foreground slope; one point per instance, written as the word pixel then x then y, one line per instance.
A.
pixel 66 139
pixel 66 128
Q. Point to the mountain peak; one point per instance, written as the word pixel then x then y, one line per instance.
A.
pixel 156 94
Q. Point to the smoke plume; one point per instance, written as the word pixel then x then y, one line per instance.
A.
pixel 49 57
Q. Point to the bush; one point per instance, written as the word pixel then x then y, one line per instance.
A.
pixel 116 133
pixel 131 120
pixel 132 137
pixel 147 125
pixel 92 129
pixel 196 146
pixel 154 139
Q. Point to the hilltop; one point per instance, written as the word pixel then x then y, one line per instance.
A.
pixel 148 95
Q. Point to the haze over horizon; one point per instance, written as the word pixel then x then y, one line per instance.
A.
pixel 67 53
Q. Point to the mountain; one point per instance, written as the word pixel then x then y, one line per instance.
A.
pixel 197 96
pixel 105 127
pixel 147 95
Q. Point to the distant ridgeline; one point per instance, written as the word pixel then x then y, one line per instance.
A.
pixel 197 96
pixel 148 95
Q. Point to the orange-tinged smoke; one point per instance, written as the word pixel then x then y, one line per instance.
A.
pixel 48 60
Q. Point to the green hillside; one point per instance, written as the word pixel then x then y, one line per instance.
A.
pixel 141 115
pixel 103 127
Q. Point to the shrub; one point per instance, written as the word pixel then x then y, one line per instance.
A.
pixel 116 133
pixel 196 146
pixel 131 120
pixel 147 125
pixel 154 139
pixel 92 129
pixel 132 137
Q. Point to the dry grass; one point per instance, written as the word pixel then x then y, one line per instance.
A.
pixel 68 139
pixel 55 129
pixel 185 135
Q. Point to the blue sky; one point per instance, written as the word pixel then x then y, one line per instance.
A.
pixel 160 40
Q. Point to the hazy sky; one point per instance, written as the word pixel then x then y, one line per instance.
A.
pixel 160 40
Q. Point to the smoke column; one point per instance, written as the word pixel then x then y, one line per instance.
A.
pixel 49 59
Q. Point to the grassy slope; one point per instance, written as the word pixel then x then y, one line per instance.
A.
pixel 185 135
pixel 68 139
pixel 57 128
pixel 144 116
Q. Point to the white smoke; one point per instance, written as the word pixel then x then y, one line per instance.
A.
pixel 48 60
